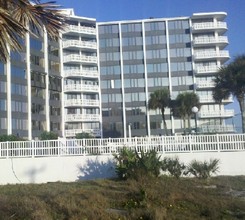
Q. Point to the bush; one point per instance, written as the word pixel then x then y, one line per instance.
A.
pixel 131 164
pixel 48 135
pixel 84 135
pixel 11 137
pixel 204 169
pixel 173 166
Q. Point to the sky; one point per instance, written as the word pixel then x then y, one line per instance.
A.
pixel 117 10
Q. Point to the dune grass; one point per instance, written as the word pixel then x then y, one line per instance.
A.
pixel 145 198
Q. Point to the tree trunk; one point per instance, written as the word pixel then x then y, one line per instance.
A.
pixel 189 123
pixel 242 109
pixel 164 122
pixel 184 121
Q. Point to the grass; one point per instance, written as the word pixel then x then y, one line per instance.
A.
pixel 147 198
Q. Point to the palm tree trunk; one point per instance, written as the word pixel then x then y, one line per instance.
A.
pixel 164 121
pixel 189 123
pixel 184 125
pixel 242 109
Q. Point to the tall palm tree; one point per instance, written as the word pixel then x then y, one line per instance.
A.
pixel 231 81
pixel 18 17
pixel 183 107
pixel 160 99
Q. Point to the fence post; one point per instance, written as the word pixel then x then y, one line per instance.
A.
pixel 190 142
pixel 7 149
pixel 217 140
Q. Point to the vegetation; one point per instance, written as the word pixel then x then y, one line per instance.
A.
pixel 18 17
pixel 203 169
pixel 183 107
pixel 84 135
pixel 230 80
pixel 131 164
pixel 48 135
pixel 160 99
pixel 173 166
pixel 5 137
pixel 147 198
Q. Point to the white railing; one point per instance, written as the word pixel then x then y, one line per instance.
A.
pixel 81 88
pixel 77 43
pixel 216 129
pixel 204 84
pixel 212 40
pixel 211 54
pixel 73 132
pixel 80 58
pixel 207 69
pixel 209 25
pixel 223 113
pixel 81 102
pixel 82 117
pixel 81 29
pixel 81 73
pixel 161 144
pixel 207 99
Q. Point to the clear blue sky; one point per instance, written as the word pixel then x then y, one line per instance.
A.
pixel 115 10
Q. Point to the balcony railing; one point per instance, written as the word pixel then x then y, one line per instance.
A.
pixel 81 29
pixel 211 54
pixel 208 99
pixel 81 73
pixel 204 84
pixel 211 40
pixel 81 102
pixel 216 129
pixel 216 114
pixel 73 132
pixel 82 117
pixel 80 58
pixel 81 88
pixel 209 25
pixel 82 44
pixel 207 69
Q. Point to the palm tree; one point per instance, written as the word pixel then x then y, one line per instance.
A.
pixel 183 106
pixel 160 99
pixel 18 17
pixel 230 80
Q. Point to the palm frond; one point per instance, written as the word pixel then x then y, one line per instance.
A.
pixel 40 15
pixel 10 33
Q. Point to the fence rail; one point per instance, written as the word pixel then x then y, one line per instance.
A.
pixel 161 144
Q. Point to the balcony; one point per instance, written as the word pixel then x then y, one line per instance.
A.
pixel 204 26
pixel 73 132
pixel 209 99
pixel 216 114
pixel 223 55
pixel 82 117
pixel 80 44
pixel 203 84
pixel 216 129
pixel 207 69
pixel 80 30
pixel 81 102
pixel 81 88
pixel 202 41
pixel 81 73
pixel 76 58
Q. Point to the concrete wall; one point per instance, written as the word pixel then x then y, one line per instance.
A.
pixel 75 168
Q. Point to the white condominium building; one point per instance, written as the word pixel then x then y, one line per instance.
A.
pixel 81 77
pixel 140 56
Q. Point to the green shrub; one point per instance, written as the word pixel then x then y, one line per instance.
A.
pixel 48 135
pixel 131 164
pixel 11 137
pixel 84 135
pixel 204 169
pixel 173 166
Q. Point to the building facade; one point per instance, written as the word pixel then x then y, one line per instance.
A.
pixel 180 54
pixel 30 89
pixel 81 98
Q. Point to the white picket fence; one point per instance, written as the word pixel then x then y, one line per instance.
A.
pixel 161 144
